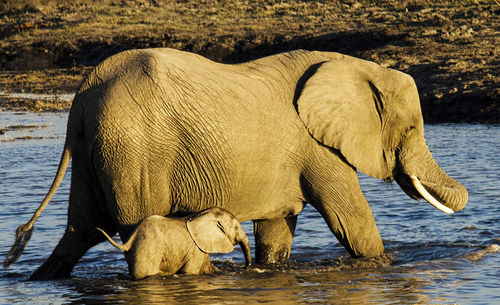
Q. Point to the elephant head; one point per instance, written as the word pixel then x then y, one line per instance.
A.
pixel 217 231
pixel 372 116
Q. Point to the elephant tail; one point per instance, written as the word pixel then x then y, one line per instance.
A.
pixel 125 247
pixel 25 231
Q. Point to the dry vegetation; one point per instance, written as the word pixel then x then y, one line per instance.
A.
pixel 449 47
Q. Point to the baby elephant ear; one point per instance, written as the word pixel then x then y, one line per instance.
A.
pixel 209 233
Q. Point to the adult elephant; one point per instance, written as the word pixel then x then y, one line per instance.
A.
pixel 159 131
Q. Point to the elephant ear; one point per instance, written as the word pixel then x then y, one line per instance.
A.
pixel 343 107
pixel 209 233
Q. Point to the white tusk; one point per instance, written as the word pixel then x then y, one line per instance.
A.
pixel 420 188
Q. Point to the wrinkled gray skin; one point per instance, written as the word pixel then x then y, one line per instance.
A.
pixel 166 245
pixel 162 132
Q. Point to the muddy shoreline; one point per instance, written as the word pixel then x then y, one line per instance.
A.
pixel 450 48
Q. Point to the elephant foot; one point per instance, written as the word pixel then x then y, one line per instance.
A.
pixel 54 268
pixel 66 255
pixel 273 240
pixel 269 255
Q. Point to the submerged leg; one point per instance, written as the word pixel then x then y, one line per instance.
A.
pixel 66 255
pixel 273 239
pixel 84 215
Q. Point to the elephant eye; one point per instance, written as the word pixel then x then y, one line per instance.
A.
pixel 221 227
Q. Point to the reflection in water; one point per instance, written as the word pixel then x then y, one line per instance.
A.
pixel 431 257
pixel 345 281
pixel 478 255
pixel 389 285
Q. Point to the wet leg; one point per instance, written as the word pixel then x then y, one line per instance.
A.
pixel 84 215
pixel 273 239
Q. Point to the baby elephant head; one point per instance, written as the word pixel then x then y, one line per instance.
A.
pixel 217 231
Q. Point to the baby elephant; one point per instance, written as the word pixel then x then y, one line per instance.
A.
pixel 166 245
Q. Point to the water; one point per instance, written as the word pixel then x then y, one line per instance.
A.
pixel 432 257
pixel 37 96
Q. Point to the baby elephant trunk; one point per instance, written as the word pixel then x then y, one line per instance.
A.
pixel 245 247
pixel 125 247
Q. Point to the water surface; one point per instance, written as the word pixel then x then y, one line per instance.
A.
pixel 431 257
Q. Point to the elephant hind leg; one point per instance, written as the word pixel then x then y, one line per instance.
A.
pixel 85 213
pixel 66 255
pixel 273 239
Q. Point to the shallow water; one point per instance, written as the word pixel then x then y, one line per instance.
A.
pixel 38 96
pixel 432 257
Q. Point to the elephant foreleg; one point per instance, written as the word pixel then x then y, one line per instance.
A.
pixel 273 239
pixel 198 263
pixel 335 192
pixel 357 233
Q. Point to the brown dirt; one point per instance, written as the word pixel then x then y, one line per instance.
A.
pixel 451 48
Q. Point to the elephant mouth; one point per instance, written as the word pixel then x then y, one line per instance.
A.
pixel 446 198
pixel 428 197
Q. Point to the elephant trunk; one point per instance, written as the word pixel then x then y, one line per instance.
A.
pixel 445 198
pixel 425 179
pixel 245 247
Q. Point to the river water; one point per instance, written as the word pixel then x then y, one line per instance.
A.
pixel 431 257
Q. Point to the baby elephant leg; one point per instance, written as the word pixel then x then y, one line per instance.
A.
pixel 198 264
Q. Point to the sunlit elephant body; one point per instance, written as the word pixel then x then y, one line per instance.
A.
pixel 165 132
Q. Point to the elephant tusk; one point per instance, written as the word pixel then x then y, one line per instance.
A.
pixel 425 194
